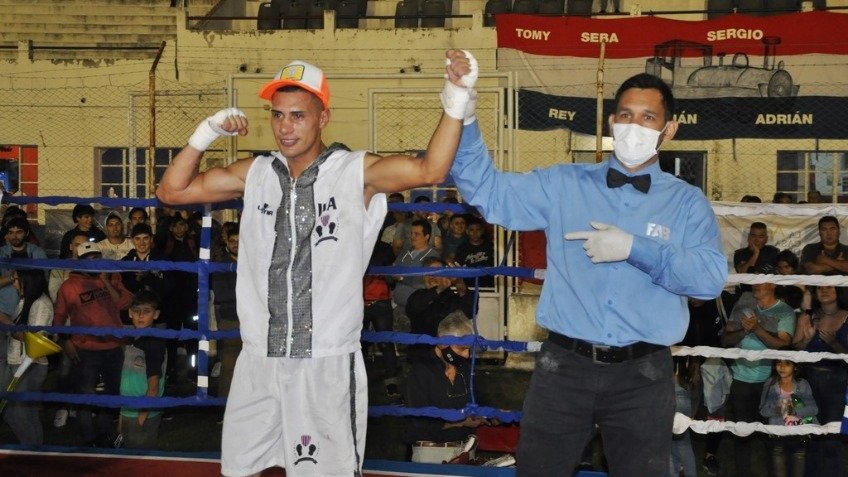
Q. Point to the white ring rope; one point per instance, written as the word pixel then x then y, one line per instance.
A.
pixel 743 429
pixel 748 209
pixel 682 422
pixel 821 280
pixel 736 353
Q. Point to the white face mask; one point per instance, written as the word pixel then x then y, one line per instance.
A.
pixel 634 144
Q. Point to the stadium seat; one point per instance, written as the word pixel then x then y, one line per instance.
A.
pixel 719 8
pixel 493 7
pixel 552 7
pixel 579 7
pixel 406 14
pixel 751 7
pixel 347 14
pixel 781 7
pixel 268 17
pixel 294 14
pixel 433 14
pixel 362 7
pixel 281 6
pixel 448 8
pixel 525 6
pixel 315 12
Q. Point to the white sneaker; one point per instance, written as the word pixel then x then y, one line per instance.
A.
pixel 469 444
pixel 61 418
pixel 216 370
pixel 502 461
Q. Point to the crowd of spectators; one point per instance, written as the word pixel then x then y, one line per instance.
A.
pixel 88 364
pixel 425 304
pixel 168 299
pixel 778 392
pixel 763 316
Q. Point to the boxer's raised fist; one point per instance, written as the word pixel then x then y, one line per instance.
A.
pixel 226 122
pixel 458 97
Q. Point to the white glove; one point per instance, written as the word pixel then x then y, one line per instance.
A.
pixel 607 243
pixel 457 99
pixel 210 129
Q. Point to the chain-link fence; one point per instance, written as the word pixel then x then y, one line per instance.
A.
pixel 93 141
pixel 89 139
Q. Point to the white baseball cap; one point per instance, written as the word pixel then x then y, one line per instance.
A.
pixel 303 75
pixel 87 248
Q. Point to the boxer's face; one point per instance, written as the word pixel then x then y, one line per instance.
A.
pixel 297 118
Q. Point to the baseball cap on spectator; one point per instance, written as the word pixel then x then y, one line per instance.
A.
pixel 303 75
pixel 88 248
pixel 113 213
pixel 141 228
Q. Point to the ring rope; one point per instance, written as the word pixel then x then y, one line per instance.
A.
pixel 203 267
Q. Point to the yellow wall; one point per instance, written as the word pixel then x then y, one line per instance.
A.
pixel 70 107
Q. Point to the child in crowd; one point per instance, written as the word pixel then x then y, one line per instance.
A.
pixel 143 374
pixel 34 309
pixel 788 400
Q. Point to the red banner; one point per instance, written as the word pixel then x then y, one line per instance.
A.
pixel 793 34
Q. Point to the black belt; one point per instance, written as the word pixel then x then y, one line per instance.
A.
pixel 601 353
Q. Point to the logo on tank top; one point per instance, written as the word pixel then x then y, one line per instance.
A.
pixel 305 450
pixel 327 216
pixel 263 209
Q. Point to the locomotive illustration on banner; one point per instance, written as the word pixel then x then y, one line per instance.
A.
pixel 688 68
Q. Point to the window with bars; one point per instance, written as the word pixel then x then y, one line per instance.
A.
pixel 799 172
pixel 116 170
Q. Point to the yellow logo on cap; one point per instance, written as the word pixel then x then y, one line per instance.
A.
pixel 293 72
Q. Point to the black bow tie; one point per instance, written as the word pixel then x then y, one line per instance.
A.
pixel 642 183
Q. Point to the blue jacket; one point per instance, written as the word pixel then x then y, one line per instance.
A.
pixel 770 402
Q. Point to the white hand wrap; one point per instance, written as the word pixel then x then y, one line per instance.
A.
pixel 607 243
pixel 210 129
pixel 454 100
pixel 461 102
pixel 471 108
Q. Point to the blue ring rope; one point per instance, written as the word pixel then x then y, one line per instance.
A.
pixel 203 267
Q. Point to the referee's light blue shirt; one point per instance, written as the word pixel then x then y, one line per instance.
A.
pixel 676 249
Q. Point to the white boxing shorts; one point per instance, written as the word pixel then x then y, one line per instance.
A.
pixel 306 415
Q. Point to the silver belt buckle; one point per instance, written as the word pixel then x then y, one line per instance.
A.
pixel 595 349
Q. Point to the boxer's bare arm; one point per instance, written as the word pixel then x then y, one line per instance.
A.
pixel 182 182
pixel 400 172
